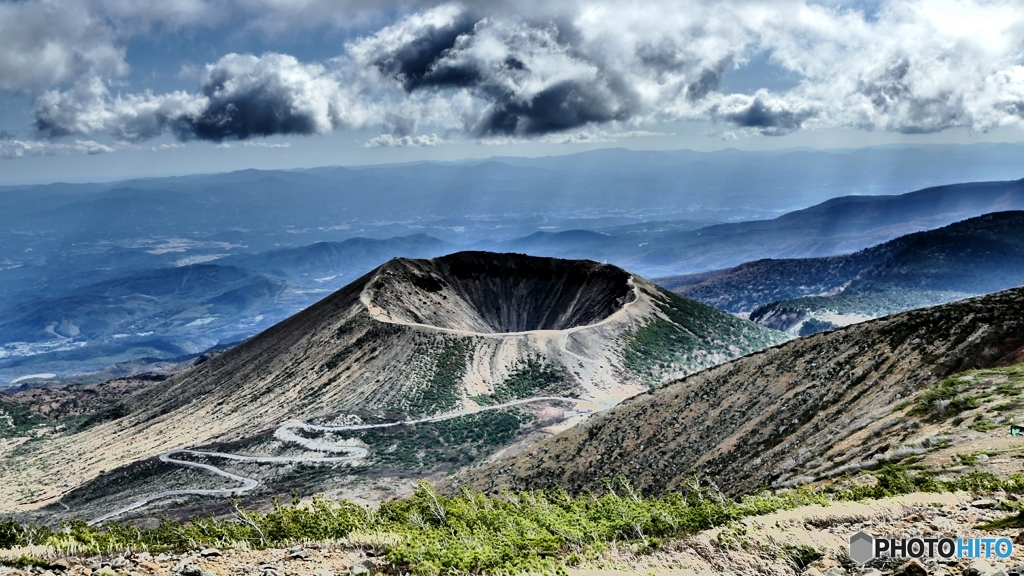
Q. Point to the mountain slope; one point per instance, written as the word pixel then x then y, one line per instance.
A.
pixel 976 256
pixel 412 338
pixel 837 226
pixel 792 412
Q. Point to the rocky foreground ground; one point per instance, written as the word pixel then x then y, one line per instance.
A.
pixel 809 541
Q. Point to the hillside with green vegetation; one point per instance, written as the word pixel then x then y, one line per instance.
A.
pixel 430 533
pixel 688 336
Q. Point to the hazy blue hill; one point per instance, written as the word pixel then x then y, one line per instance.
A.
pixel 545 241
pixel 841 225
pixel 748 286
pixel 187 307
pixel 350 258
pixel 976 256
pixel 164 300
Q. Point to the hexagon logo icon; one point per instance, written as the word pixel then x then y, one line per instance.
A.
pixel 862 547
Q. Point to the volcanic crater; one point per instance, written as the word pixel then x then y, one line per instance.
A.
pixel 411 339
pixel 473 292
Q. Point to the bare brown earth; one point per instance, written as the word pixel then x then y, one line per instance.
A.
pixel 412 338
pixel 831 403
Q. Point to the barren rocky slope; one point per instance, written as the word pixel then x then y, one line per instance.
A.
pixel 412 338
pixel 833 402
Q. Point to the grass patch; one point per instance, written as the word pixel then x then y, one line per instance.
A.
pixel 801 556
pixel 530 377
pixel 535 532
pixel 24 562
pixel 983 424
pixel 1013 521
pixel 945 400
pixel 686 337
pixel 448 443
pixel 443 387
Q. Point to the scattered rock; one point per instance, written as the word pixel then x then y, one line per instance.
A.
pixel 912 568
pixel 191 570
pixel 269 571
pixel 984 503
pixel 105 571
pixel 298 553
pixel 811 571
pixel 871 572
pixel 323 572
pixel 980 568
pixel 358 569
pixel 836 571
pixel 210 553
pixel 118 563
pixel 150 566
pixel 60 564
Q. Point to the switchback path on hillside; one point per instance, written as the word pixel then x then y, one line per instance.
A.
pixel 285 434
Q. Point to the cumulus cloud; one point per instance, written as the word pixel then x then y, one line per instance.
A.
pixel 11 148
pixel 240 96
pixel 575 72
pixel 46 42
pixel 389 141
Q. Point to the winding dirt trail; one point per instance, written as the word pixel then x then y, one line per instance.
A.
pixel 285 434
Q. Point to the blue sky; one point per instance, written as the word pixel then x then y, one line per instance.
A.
pixel 108 89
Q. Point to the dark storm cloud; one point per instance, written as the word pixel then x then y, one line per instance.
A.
pixel 558 108
pixel 765 118
pixel 414 63
pixel 264 107
pixel 531 75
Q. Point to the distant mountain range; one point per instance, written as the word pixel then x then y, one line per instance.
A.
pixel 838 226
pixel 976 256
pixel 292 237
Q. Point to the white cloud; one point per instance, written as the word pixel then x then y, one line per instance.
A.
pixel 23 148
pixel 563 71
pixel 167 146
pixel 267 144
pixel 593 136
pixel 389 141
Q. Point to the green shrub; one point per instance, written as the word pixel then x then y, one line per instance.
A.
pixel 534 532
pixel 944 400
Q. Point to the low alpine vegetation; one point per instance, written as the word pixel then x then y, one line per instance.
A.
pixel 535 532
